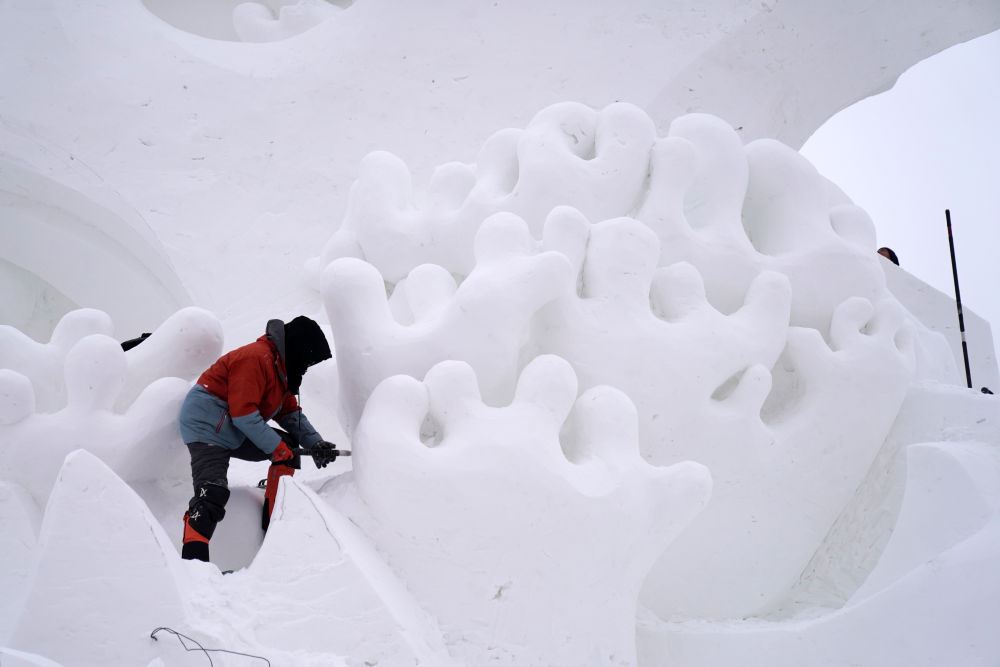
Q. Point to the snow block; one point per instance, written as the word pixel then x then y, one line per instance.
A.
pixel 15 658
pixel 106 574
pixel 187 343
pixel 952 492
pixel 19 523
pixel 315 564
pixel 943 612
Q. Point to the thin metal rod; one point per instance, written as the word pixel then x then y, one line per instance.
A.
pixel 958 299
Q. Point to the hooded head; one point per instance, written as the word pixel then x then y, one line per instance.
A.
pixel 305 346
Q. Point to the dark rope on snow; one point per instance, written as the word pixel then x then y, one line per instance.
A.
pixel 199 647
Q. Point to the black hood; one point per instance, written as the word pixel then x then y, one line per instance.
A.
pixel 302 344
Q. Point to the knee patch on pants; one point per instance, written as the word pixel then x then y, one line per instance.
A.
pixel 207 508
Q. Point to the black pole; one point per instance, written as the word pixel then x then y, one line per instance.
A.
pixel 958 299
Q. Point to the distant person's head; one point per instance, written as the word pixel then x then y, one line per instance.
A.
pixel 889 255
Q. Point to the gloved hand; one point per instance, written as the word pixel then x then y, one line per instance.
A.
pixel 282 453
pixel 324 453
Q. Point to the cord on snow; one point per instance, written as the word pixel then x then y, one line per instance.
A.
pixel 199 647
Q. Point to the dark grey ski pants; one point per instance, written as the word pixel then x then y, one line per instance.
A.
pixel 210 463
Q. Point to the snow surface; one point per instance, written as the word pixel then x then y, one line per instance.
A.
pixel 619 392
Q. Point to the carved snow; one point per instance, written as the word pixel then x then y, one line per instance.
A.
pixel 527 529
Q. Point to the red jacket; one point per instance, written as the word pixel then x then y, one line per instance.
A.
pixel 251 379
pixel 235 398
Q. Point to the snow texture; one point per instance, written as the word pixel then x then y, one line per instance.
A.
pixel 618 392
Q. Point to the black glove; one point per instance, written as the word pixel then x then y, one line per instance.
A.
pixel 324 453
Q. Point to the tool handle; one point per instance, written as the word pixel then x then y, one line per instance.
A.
pixel 301 451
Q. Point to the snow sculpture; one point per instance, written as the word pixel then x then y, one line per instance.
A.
pixel 474 485
pixel 183 346
pixel 596 160
pixel 98 542
pixel 17 397
pixel 643 329
pixel 541 364
pixel 19 522
pixel 257 22
pixel 730 291
pixel 482 321
pixel 734 211
pixel 785 469
pixel 42 363
pixel 119 406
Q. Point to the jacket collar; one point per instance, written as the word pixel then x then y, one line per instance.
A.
pixel 274 333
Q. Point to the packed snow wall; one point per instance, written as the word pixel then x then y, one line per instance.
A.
pixel 68 241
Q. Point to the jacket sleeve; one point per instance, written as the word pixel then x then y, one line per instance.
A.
pixel 298 425
pixel 246 388
pixel 292 419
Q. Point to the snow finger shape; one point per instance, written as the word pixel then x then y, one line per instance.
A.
pixel 183 346
pixel 17 397
pixel 783 477
pixel 653 334
pixel 501 506
pixel 138 444
pixel 42 363
pixel 569 154
pixel 482 322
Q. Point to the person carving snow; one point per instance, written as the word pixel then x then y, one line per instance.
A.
pixel 225 416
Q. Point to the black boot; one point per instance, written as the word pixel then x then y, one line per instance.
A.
pixel 195 547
